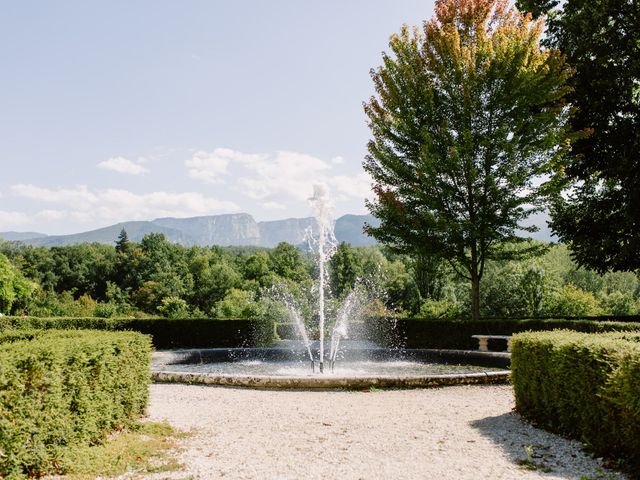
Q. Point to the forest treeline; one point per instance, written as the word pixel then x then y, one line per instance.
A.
pixel 156 277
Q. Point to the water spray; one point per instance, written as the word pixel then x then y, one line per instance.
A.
pixel 326 247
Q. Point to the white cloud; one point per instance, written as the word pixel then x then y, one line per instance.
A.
pixel 114 205
pixel 73 197
pixel 208 167
pixel 277 179
pixel 11 220
pixel 354 186
pixel 52 215
pixel 17 220
pixel 124 165
pixel 274 206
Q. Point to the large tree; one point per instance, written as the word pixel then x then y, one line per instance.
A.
pixel 600 218
pixel 468 114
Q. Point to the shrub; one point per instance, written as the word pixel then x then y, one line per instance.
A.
pixel 62 304
pixel 583 385
pixel 618 303
pixel 440 309
pixel 456 334
pixel 572 301
pixel 60 389
pixel 15 289
pixel 239 304
pixel 106 310
pixel 174 307
pixel 165 332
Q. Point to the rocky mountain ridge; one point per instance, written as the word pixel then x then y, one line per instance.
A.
pixel 237 229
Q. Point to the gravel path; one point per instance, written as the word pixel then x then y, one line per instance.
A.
pixel 463 432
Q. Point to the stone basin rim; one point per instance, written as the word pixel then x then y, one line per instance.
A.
pixel 164 358
pixel 332 382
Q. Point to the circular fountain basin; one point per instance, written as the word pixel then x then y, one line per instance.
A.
pixel 354 369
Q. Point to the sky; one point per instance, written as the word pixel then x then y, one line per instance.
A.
pixel 139 109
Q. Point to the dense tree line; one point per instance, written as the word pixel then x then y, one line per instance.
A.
pixel 156 277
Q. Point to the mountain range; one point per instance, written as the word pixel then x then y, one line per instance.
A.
pixel 225 230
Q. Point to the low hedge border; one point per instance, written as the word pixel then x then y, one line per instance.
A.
pixel 584 386
pixel 166 333
pixel 60 389
pixel 456 334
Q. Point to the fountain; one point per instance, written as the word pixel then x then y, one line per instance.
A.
pixel 362 365
pixel 325 247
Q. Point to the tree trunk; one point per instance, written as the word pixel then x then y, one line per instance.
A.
pixel 475 296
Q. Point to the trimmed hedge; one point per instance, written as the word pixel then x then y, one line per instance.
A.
pixel 456 334
pixel 582 385
pixel 166 333
pixel 60 389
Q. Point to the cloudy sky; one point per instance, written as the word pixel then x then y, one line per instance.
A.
pixel 132 110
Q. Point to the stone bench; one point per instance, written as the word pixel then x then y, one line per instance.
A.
pixel 484 341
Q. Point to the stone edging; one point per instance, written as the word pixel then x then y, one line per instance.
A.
pixel 331 382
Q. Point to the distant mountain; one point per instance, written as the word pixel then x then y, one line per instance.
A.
pixel 234 229
pixel 18 236
pixel 291 230
pixel 135 231
pixel 350 229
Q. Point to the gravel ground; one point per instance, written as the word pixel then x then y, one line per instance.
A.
pixel 462 432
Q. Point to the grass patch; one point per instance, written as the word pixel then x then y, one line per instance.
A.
pixel 530 463
pixel 147 449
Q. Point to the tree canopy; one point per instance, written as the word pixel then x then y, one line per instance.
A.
pixel 468 114
pixel 600 218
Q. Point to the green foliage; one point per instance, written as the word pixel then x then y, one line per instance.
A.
pixel 60 389
pixel 165 332
pixel 618 303
pixel 122 244
pixel 210 278
pixel 583 385
pixel 345 269
pixel 466 116
pixel 83 269
pixel 570 301
pixel 48 304
pixel 106 310
pixel 456 334
pixel 239 304
pixel 174 307
pixel 400 288
pixel 288 263
pixel 600 220
pixel 150 447
pixel 440 309
pixel 15 289
pixel 513 290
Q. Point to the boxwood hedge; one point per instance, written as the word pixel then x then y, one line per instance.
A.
pixel 165 333
pixel 456 334
pixel 586 386
pixel 60 389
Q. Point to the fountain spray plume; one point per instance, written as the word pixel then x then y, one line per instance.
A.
pixel 325 246
pixel 350 310
pixel 282 294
